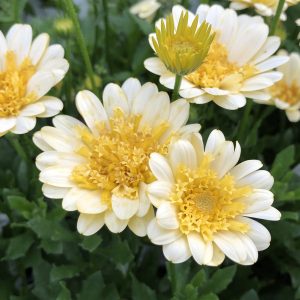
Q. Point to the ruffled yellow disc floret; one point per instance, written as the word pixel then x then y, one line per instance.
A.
pixel 287 93
pixel 13 85
pixel 208 204
pixel 184 49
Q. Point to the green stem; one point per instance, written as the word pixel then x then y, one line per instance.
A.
pixel 15 143
pixel 106 33
pixel 16 11
pixel 178 80
pixel 80 39
pixel 277 16
pixel 244 121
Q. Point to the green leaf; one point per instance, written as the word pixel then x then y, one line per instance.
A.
pixel 250 295
pixel 52 247
pixel 141 290
pixel 64 294
pixel 178 276
pixel 62 272
pixel 21 205
pixel 92 287
pixel 209 296
pixel 145 26
pixel 283 161
pixel 19 245
pixel 199 279
pixel 90 243
pixel 219 280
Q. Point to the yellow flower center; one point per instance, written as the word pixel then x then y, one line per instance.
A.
pixel 218 72
pixel 269 3
pixel 208 204
pixel 118 157
pixel 287 93
pixel 183 49
pixel 13 85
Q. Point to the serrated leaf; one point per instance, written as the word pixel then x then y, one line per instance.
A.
pixel 64 294
pixel 250 295
pixel 199 279
pixel 19 245
pixel 90 243
pixel 21 205
pixel 62 272
pixel 209 296
pixel 141 290
pixel 92 287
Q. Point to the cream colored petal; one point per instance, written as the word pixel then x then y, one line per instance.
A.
pixel 7 123
pixel 271 63
pixel 124 208
pixel 269 48
pixel 259 179
pixel 57 176
pixel 254 83
pixel 166 216
pixel 214 141
pixel 179 114
pixel 32 110
pixel 258 200
pixel 89 224
pixel 54 192
pixel 159 191
pixel 144 202
pixel 231 101
pixel 52 105
pixel 138 225
pixel 23 124
pixel 91 109
pixel 69 125
pixel 177 251
pixel 70 199
pixel 160 168
pixel 40 142
pixel 293 115
pixel 53 52
pixel 114 224
pixel 217 258
pixel 271 214
pixel 245 168
pixel 39 47
pixel 155 65
pixel 161 236
pixel 131 87
pixel 89 202
pixel 114 97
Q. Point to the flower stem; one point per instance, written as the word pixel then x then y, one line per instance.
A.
pixel 178 80
pixel 277 16
pixel 15 143
pixel 106 33
pixel 244 121
pixel 80 39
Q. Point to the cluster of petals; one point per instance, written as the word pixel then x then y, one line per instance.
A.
pixel 246 42
pixel 49 68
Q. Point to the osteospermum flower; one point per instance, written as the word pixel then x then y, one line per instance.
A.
pixel 263 7
pixel 28 70
pixel 286 92
pixel 238 65
pixel 145 9
pixel 182 49
pixel 205 202
pixel 101 169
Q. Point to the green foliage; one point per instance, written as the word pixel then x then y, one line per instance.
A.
pixel 42 254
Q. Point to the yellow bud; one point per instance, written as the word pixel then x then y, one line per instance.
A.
pixel 63 26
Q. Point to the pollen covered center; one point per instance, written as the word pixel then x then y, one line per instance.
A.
pixel 208 204
pixel 13 85
pixel 218 72
pixel 287 93
pixel 118 157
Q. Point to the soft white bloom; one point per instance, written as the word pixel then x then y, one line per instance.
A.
pixel 239 63
pixel 286 92
pixel 101 168
pixel 28 70
pixel 206 201
pixel 145 9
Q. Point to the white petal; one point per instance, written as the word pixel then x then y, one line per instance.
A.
pixel 256 83
pixel 24 124
pixel 166 216
pixel 271 214
pixel 159 191
pixel 270 47
pixel 183 153
pixel 258 200
pixel 231 102
pixel 217 258
pixel 89 224
pixel 259 179
pixel 57 176
pixel 70 199
pixel 40 142
pixel 68 125
pixel 187 130
pixel 177 251
pixel 131 87
pixel 160 168
pixel 161 236
pixel 32 110
pixel 155 65
pixel 39 47
pixel 216 91
pixel 54 192
pixel 245 168
pixel 58 67
pixel 52 52
pixel 52 106
pixel 191 93
pixel 179 114
pixel 124 208
pixel 214 141
pixel 114 97
pixel 271 63
pixel 89 202
pixel 138 225
pixel 293 115
pixel 202 99
pixel 7 123
pixel 144 202
pixel 3 49
pixel 202 252
pixel 114 224
pixel 91 109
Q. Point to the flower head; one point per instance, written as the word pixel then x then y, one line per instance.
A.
pixel 205 202
pixel 182 49
pixel 238 65
pixel 101 168
pixel 145 9
pixel 63 26
pixel 28 70
pixel 286 92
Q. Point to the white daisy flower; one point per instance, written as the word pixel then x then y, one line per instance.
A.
pixel 205 202
pixel 145 9
pixel 101 168
pixel 239 63
pixel 28 70
pixel 286 92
